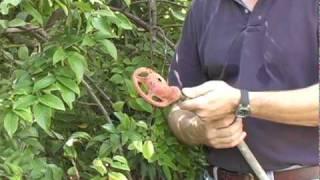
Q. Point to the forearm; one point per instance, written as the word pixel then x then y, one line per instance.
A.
pixel 295 107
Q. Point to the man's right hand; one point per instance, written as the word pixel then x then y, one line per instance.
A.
pixel 190 129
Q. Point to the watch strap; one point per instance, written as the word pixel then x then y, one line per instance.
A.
pixel 244 99
pixel 243 110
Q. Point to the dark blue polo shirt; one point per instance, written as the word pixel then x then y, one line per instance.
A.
pixel 272 48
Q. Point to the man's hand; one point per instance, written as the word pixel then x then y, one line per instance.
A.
pixel 190 129
pixel 213 101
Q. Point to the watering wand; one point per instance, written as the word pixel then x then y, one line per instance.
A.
pixel 155 90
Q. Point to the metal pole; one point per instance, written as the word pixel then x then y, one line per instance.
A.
pixel 252 161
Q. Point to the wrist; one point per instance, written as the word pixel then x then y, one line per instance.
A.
pixel 255 102
pixel 236 100
pixel 244 109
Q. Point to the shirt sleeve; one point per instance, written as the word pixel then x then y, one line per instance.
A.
pixel 185 69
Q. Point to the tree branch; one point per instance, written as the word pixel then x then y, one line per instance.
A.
pixel 153 24
pixel 37 32
pixel 95 98
pixel 161 1
pixel 145 26
pixel 104 111
pixel 104 95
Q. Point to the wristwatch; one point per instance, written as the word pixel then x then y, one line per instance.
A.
pixel 243 109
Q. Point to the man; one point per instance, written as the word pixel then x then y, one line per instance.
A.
pixel 256 59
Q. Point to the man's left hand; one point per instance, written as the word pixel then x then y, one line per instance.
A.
pixel 212 101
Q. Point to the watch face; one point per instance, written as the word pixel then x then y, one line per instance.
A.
pixel 243 112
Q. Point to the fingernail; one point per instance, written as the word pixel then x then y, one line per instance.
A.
pixel 244 135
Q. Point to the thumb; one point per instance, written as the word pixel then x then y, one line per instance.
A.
pixel 197 91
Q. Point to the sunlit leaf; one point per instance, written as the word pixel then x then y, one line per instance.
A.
pixel 147 150
pixel 116 176
pixel 59 55
pixel 52 101
pixel 42 116
pixel 25 114
pixel 77 63
pixel 11 123
pixel 32 11
pixel 69 83
pixel 43 83
pixel 99 166
pixel 24 102
pixel 109 47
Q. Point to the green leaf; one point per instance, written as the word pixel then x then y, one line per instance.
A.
pixel 121 163
pixel 116 176
pixel 122 22
pixel 43 83
pixel 16 22
pixel 3 23
pixel 57 172
pixel 69 83
pixel 110 48
pixel 128 2
pixel 105 12
pixel 136 145
pixel 5 5
pixel 59 55
pixel 52 101
pixel 88 41
pixel 32 11
pixel 167 172
pixel 147 150
pixel 23 53
pixel 72 171
pixel 77 137
pixel 109 127
pixel 24 102
pixel 70 152
pixel 11 123
pixel 80 135
pixel 101 24
pixel 99 166
pixel 67 95
pixel 63 6
pixel 42 116
pixel 77 64
pixel 144 105
pixel 118 106
pixel 116 78
pixel 130 87
pixel 142 124
pixel 25 114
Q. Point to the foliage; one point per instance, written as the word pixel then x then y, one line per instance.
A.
pixel 68 109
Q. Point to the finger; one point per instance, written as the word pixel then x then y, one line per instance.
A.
pixel 228 139
pixel 200 90
pixel 230 143
pixel 220 123
pixel 229 131
pixel 194 104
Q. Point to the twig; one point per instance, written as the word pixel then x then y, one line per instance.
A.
pixel 87 103
pixel 95 98
pixel 36 32
pixel 145 26
pixel 171 26
pixel 161 1
pixel 104 111
pixel 153 24
pixel 104 95
pixel 75 167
